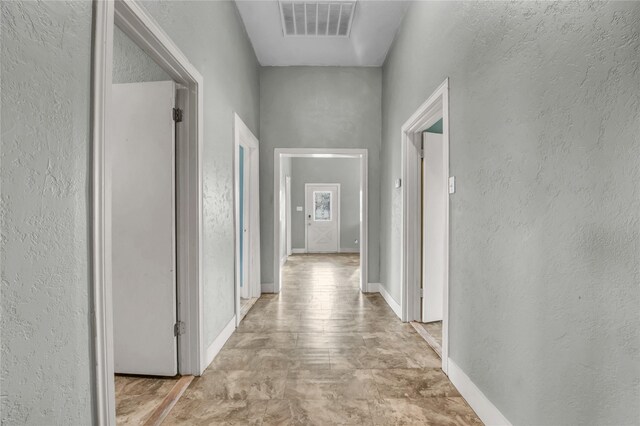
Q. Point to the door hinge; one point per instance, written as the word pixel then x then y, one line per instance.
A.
pixel 177 115
pixel 421 148
pixel 178 328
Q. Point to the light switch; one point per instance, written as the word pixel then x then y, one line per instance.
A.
pixel 452 184
pixel 299 208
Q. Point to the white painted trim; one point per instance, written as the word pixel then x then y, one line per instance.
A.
pixel 350 250
pixel 267 287
pixel 361 154
pixel 484 408
pixel 298 250
pixel 308 208
pixel 374 287
pixel 217 344
pixel 287 194
pixel 434 108
pixel 395 306
pixel 134 21
pixel 245 138
pixel 283 260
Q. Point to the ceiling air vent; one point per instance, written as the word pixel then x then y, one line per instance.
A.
pixel 317 19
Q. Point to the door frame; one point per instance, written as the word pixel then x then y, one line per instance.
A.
pixel 134 21
pixel 362 155
pixel 287 195
pixel 245 138
pixel 432 110
pixel 306 207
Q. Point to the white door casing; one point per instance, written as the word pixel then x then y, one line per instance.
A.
pixel 246 217
pixel 434 196
pixel 322 217
pixel 287 186
pixel 243 137
pixel 144 228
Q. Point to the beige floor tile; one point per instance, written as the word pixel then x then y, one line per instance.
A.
pixel 322 353
pixel 413 383
pixel 425 411
pixel 330 384
pixel 238 384
pixel 193 411
pixel 317 412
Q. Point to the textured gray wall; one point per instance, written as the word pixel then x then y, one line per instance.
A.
pixel 346 172
pixel 131 64
pixel 46 365
pixel 319 107
pixel 46 368
pixel 545 223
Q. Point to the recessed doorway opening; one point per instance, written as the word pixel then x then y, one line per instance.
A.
pixel 247 218
pixel 146 212
pixel 425 236
pixel 316 203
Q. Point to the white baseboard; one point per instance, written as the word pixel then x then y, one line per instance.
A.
pixel 267 287
pixel 395 306
pixel 283 260
pixel 219 341
pixel 349 250
pixel 298 251
pixel 487 412
pixel 373 288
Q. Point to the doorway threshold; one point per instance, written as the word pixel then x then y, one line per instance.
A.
pixel 431 333
pixel 245 306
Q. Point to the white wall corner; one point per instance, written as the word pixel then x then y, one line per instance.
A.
pixel 395 306
pixel 283 260
pixel 373 288
pixel 488 413
pixel 267 287
pixel 219 341
pixel 298 250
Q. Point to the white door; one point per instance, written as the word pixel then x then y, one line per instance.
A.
pixel 144 228
pixel 323 217
pixel 434 197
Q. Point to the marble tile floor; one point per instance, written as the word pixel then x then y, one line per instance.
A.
pixel 322 353
pixel 138 397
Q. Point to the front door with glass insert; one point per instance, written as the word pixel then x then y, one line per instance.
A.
pixel 322 217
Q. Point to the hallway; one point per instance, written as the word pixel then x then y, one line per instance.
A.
pixel 322 353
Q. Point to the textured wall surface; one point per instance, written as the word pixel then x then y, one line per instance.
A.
pixel 545 223
pixel 131 64
pixel 318 107
pixel 346 172
pixel 45 86
pixel 213 38
pixel 45 373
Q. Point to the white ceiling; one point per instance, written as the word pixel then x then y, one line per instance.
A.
pixel 374 26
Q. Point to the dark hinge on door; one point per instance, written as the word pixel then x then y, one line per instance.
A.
pixel 177 115
pixel 178 328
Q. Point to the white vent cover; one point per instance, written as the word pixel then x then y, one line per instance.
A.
pixel 317 19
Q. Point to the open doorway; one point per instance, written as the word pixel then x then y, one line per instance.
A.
pixel 247 218
pixel 425 238
pixel 147 219
pixel 433 193
pixel 318 201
